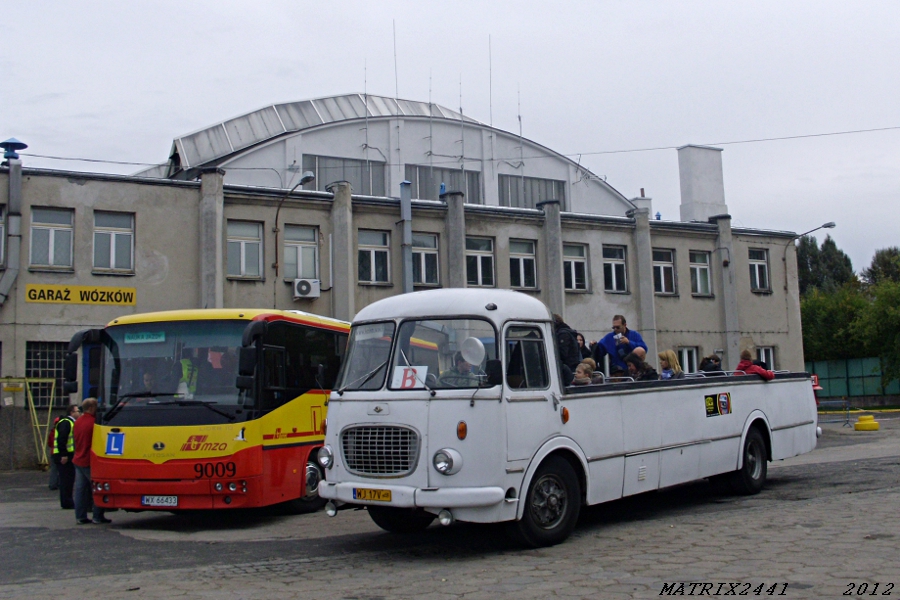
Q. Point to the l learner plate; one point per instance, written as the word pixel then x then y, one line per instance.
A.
pixel 159 500
pixel 371 495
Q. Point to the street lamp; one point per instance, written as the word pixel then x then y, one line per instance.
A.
pixel 828 225
pixel 307 177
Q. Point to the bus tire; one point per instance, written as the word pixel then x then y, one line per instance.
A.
pixel 751 477
pixel 400 520
pixel 310 501
pixel 552 505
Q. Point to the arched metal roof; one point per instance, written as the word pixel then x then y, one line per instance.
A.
pixel 209 145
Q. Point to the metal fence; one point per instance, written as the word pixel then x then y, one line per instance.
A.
pixel 851 377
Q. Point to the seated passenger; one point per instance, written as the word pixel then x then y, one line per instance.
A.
pixel 668 363
pixel 596 376
pixel 746 365
pixel 640 370
pixel 711 364
pixel 462 374
pixel 583 374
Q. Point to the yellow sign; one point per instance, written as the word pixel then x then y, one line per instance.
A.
pixel 80 294
pixel 13 388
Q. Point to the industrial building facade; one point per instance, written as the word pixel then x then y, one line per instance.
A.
pixel 223 225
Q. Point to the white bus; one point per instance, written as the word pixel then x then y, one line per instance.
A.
pixel 485 431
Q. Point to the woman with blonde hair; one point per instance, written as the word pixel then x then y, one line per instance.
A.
pixel 669 367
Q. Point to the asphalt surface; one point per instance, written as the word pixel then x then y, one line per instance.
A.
pixel 850 478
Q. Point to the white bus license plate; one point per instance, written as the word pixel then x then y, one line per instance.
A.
pixel 159 500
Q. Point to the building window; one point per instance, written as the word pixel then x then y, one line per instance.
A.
pixel 664 271
pixel 700 273
pixel 51 237
pixel 521 264
pixel 245 249
pixel 301 252
pixel 575 267
pixel 426 182
pixel 425 259
pixel 614 269
pixel 688 359
pixel 759 270
pixel 766 354
pixel 365 177
pixel 374 257
pixel 46 360
pixel 526 192
pixel 113 241
pixel 479 262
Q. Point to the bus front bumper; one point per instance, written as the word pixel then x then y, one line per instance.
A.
pixel 411 497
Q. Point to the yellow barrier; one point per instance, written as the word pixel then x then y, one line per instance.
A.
pixel 39 430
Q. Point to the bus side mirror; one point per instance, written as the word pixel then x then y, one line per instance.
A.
pixel 494 370
pixel 70 368
pixel 247 359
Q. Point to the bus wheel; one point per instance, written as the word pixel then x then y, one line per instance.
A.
pixel 749 479
pixel 400 520
pixel 552 505
pixel 310 501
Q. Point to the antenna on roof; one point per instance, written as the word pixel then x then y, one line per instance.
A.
pixel 366 99
pixel 396 78
pixel 462 140
pixel 521 144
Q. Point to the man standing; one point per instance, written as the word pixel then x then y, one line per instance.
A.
pixel 63 450
pixel 84 433
pixel 618 344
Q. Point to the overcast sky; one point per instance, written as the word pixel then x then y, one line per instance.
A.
pixel 119 80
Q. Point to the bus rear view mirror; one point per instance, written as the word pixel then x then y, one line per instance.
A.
pixel 244 382
pixel 70 368
pixel 247 359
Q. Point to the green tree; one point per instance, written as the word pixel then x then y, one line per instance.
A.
pixel 825 269
pixel 885 266
pixel 879 324
pixel 828 323
pixel 807 263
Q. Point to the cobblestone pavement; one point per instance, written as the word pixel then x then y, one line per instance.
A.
pixel 826 521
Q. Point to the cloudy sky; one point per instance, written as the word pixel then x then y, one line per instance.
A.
pixel 117 81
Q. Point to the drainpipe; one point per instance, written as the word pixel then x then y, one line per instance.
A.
pixel 13 239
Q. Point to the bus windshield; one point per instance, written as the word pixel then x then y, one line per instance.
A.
pixel 153 370
pixel 367 358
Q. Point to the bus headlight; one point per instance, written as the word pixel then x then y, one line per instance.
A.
pixel 447 461
pixel 326 457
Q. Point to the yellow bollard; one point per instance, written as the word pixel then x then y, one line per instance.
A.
pixel 866 423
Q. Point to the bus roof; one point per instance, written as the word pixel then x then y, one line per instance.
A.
pixel 218 314
pixel 458 302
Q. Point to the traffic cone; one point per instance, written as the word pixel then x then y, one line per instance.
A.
pixel 866 423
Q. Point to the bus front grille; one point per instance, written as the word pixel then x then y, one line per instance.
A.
pixel 380 451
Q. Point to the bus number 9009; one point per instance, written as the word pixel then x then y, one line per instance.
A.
pixel 210 470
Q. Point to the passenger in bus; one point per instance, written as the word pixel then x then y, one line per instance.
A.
pixel 669 367
pixel 596 376
pixel 712 366
pixel 583 347
pixel 583 374
pixel 148 381
pixel 620 342
pixel 640 370
pixel 746 365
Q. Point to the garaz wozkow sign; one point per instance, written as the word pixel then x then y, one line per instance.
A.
pixel 80 294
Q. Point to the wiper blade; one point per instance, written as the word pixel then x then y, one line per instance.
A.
pixel 207 404
pixel 145 395
pixel 422 381
pixel 365 378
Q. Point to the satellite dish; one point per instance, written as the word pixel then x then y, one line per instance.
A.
pixel 472 351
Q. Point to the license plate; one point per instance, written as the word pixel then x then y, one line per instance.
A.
pixel 371 495
pixel 159 500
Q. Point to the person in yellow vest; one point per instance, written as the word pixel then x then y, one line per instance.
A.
pixel 187 385
pixel 63 451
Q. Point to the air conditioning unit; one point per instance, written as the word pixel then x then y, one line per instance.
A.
pixel 307 288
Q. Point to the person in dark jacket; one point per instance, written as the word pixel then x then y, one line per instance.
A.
pixel 586 351
pixel 640 370
pixel 746 365
pixel 63 451
pixel 567 345
pixel 618 344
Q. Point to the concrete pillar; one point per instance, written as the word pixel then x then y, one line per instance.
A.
pixel 553 282
pixel 212 225
pixel 13 231
pixel 728 281
pixel 646 302
pixel 702 183
pixel 343 290
pixel 456 239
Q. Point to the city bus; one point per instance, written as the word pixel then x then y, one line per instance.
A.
pixel 210 409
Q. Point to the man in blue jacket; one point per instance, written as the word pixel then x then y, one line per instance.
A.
pixel 618 344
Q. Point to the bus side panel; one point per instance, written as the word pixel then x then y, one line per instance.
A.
pixel 284 471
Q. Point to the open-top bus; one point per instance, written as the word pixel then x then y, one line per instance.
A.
pixel 209 409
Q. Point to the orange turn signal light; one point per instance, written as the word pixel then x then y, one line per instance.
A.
pixel 564 415
pixel 462 430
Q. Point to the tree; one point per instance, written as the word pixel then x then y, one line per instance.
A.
pixel 829 332
pixel 826 268
pixel 885 266
pixel 879 325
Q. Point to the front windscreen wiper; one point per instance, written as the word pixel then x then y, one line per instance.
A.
pixel 365 378
pixel 208 405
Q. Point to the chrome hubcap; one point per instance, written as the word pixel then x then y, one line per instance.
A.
pixel 548 501
pixel 313 477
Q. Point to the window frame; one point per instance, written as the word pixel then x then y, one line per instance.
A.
pixel 367 177
pixel 244 243
pixel 683 352
pixel 419 254
pixel 569 264
pixel 660 267
pixel 480 255
pixel 114 234
pixel 755 265
pixel 423 177
pixel 611 263
pixel 522 258
pixel 541 341
pixel 372 250
pixel 518 191
pixel 298 246
pixel 696 268
pixel 766 354
pixel 53 229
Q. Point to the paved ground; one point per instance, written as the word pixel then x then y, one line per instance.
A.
pixel 825 522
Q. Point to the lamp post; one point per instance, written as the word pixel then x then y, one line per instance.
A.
pixel 307 177
pixel 828 225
